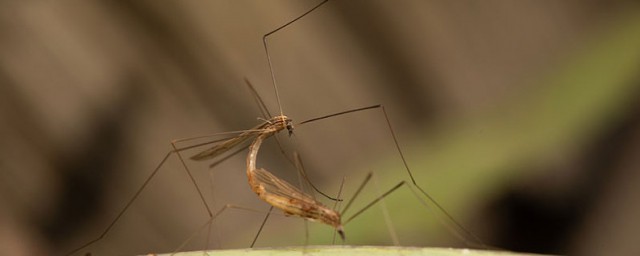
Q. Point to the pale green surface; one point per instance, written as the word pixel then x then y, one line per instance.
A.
pixel 347 250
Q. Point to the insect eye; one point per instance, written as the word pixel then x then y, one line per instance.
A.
pixel 290 128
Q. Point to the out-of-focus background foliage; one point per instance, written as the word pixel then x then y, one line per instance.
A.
pixel 522 118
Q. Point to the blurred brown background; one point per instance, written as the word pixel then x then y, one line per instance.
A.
pixel 520 117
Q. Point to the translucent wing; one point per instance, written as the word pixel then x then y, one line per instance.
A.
pixel 228 144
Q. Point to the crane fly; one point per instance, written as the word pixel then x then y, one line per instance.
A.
pixel 280 193
pixel 275 191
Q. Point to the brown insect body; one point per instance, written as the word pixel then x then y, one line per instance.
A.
pixel 281 194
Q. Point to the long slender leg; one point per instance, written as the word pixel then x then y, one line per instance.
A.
pixel 420 199
pixel 259 100
pixel 356 194
pixel 301 171
pixel 261 227
pixel 135 196
pixel 301 184
pixel 266 49
pixel 193 180
pixel 459 228
pixel 374 201
pixel 387 218
pixel 441 209
pixel 336 205
pixel 216 215
pixel 144 185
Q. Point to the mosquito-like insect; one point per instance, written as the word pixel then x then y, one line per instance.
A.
pixel 287 197
pixel 280 193
pixel 277 192
pixel 270 188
